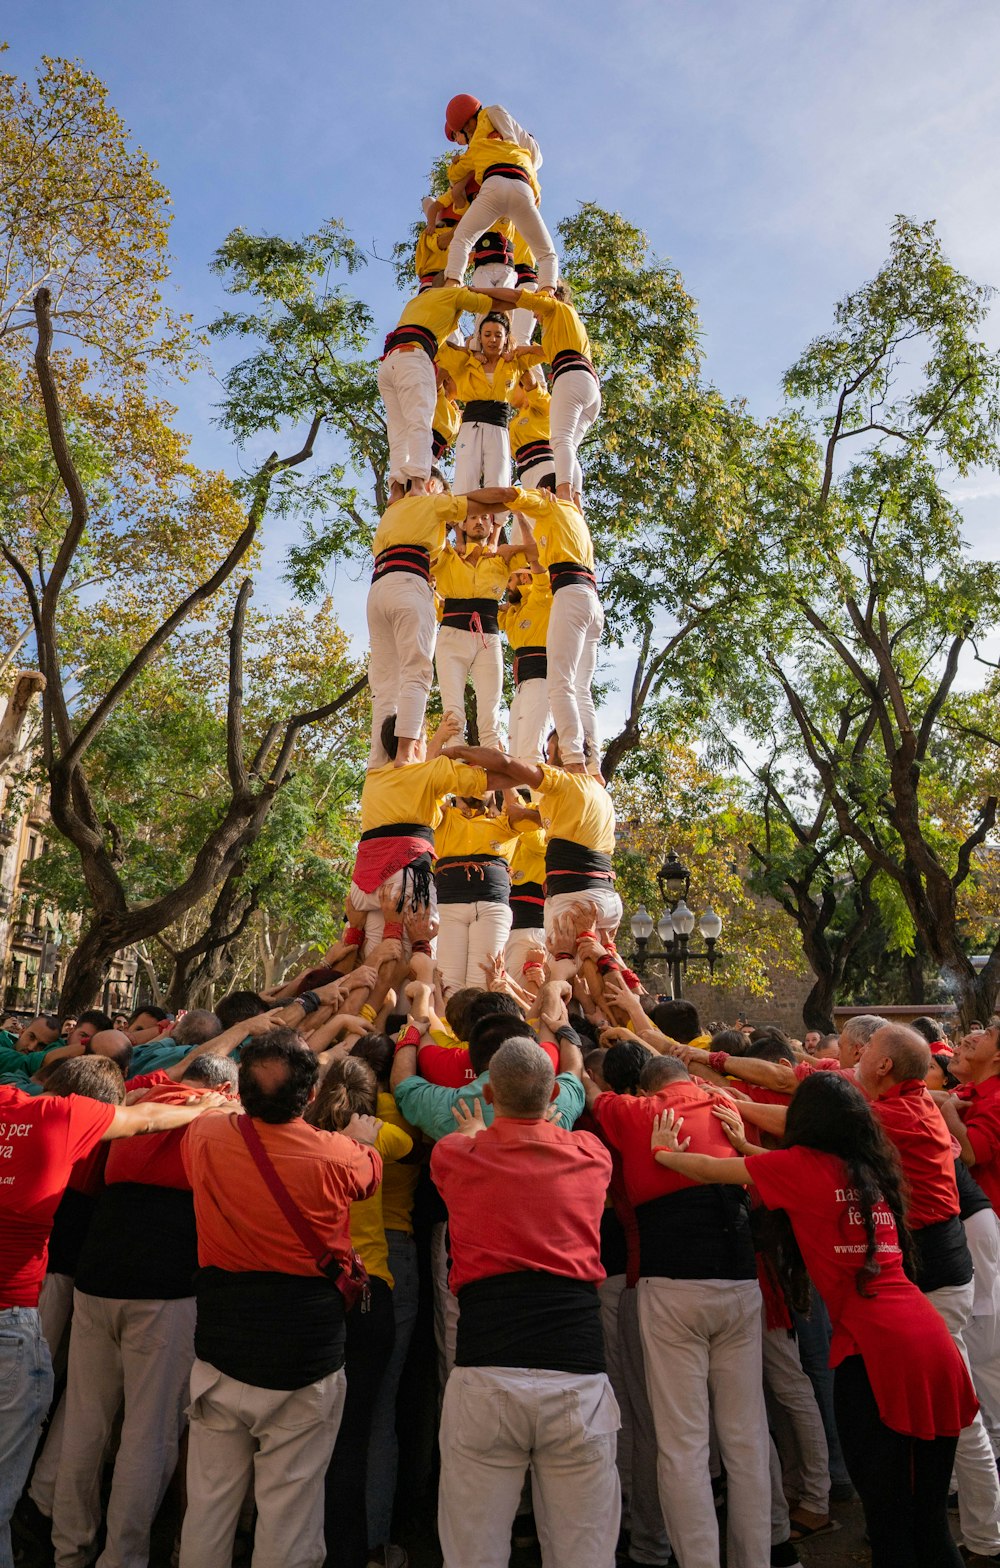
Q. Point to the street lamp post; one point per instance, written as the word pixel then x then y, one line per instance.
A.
pixel 675 926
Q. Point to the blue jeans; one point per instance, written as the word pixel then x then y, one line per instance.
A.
pixel 25 1396
pixel 383 1445
pixel 814 1334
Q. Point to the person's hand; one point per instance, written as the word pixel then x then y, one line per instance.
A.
pixel 614 1033
pixel 420 924
pixel 275 993
pixel 562 937
pixel 588 947
pixel 449 726
pixel 389 951
pixel 261 1023
pixel 213 1101
pixel 388 903
pixel 666 1133
pixel 353 1023
pixel 354 914
pixel 732 1125
pixel 494 972
pixel 363 1129
pixel 364 978
pixel 330 994
pixel 552 1002
pixel 470 1122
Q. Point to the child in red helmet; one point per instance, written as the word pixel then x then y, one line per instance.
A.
pixel 502 159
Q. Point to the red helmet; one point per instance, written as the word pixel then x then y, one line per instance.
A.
pixel 459 110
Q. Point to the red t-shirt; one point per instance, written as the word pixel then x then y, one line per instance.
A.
pixel 915 1126
pixel 450 1067
pixel 919 1380
pixel 982 1124
pixel 822 1064
pixel 41 1138
pixel 154 1160
pixel 627 1121
pixel 147 1081
pixel 522 1196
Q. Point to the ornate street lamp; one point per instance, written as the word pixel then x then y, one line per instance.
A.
pixel 675 926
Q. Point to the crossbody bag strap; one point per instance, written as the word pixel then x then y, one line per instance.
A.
pixel 282 1197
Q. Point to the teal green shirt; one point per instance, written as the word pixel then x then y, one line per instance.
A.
pixel 22 1064
pixel 429 1105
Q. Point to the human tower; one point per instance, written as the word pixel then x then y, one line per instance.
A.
pixel 520 558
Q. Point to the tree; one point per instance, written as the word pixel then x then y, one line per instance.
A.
pixel 878 606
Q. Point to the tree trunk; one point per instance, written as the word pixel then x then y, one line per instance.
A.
pixel 89 963
pixel 27 683
pixel 817 1009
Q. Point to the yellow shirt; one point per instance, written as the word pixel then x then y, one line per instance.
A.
pixel 559 529
pixel 431 251
pixel 527 864
pixel 483 575
pixel 472 381
pixel 468 837
pixel 527 624
pixel 367 1222
pixel 447 421
pixel 399 1182
pixel 415 793
pixel 577 807
pixel 487 148
pixel 439 310
pixel 561 327
pixel 531 423
pixel 523 256
pixel 420 520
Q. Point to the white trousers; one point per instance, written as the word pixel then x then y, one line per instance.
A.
pixel 402 630
pixel 535 472
pixel 575 625
pixel 522 320
pixel 503 198
pixel 490 275
pixel 408 390
pixel 982 1332
pixel 787 1387
pixel 374 921
pixel 283 1440
pixel 142 1351
pixel 497 1421
pixel 529 720
pixel 701 1343
pixel 975 1467
pixel 609 907
pixel 519 945
pixel 482 458
pixel 469 934
pixel 576 403
pixel 55 1304
pixel 462 656
pixel 648 1541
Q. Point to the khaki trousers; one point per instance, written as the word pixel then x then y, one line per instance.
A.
pixel 283 1439
pixel 139 1351
pixel 497 1421
pixel 701 1344
pixel 791 1402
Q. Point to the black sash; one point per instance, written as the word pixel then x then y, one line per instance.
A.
pixel 472 879
pixel 487 411
pixel 399 337
pixel 530 664
pixel 571 867
pixel 563 573
pixel 493 247
pixel 571 359
pixel 459 612
pixel 403 558
pixel 527 901
pixel 507 171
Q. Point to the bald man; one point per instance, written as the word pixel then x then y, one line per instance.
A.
pixel 891 1071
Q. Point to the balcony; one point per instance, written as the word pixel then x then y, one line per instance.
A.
pixel 8 830
pixel 20 999
pixel 38 809
pixel 25 935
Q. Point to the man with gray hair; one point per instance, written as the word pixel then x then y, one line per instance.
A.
pixel 781 1077
pixel 529 1387
pixel 891 1073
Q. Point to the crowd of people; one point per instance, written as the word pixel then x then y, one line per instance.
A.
pixel 689 1289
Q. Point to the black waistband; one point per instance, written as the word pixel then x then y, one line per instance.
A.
pixel 571 359
pixel 526 271
pixel 458 614
pixel 530 664
pixel 403 558
pixel 472 879
pixel 440 443
pixel 530 1319
pixel 428 281
pixel 487 411
pixel 941 1255
pixel 423 337
pixel 507 171
pixel 493 247
pixel 569 867
pixel 563 574
pixel 399 830
pixel 236 1318
pixel 533 452
pixel 527 903
pixel 697 1233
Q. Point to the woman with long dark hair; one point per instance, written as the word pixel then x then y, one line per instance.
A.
pixel 902 1392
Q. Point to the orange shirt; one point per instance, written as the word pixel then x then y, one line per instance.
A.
pixel 240 1227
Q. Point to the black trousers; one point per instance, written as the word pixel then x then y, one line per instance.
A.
pixel 902 1481
pixel 371 1333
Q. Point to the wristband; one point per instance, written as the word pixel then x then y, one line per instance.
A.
pixel 531 963
pixel 393 930
pixel 630 978
pixel 353 936
pixel 408 1036
pixel 717 1060
pixel 368 1013
pixel 584 935
pixel 570 957
pixel 605 965
pixel 421 947
pixel 308 1001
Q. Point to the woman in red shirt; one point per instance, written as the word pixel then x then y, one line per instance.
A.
pixel 902 1392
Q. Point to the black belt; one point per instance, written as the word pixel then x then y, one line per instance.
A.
pixel 527 902
pixel 472 879
pixel 527 272
pixel 571 359
pixel 529 665
pixel 487 411
pixel 563 573
pixel 440 443
pixel 507 171
pixel 401 337
pixel 493 247
pixel 459 613
pixel 403 558
pixel 533 452
pixel 571 867
pixel 400 830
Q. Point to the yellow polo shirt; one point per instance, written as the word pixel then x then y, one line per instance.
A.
pixel 577 807
pixel 414 793
pixel 559 529
pixel 420 520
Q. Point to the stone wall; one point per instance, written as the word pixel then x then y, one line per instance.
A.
pixel 726 1002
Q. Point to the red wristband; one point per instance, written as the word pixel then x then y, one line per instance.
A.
pixel 717 1060
pixel 531 963
pixel 631 979
pixel 584 935
pixel 353 936
pixel 393 931
pixel 605 964
pixel 408 1036
pixel 561 956
pixel 421 947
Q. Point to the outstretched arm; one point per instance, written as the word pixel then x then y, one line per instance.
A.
pixel 504 772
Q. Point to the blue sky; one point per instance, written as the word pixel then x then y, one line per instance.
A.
pixel 764 145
